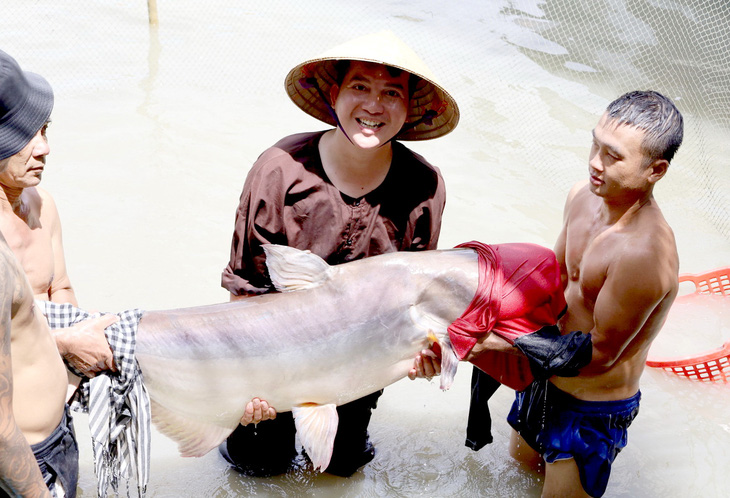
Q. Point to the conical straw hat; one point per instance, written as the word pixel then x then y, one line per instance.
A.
pixel 309 82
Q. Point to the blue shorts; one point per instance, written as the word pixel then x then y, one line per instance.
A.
pixel 559 427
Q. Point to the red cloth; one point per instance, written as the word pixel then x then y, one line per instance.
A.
pixel 519 292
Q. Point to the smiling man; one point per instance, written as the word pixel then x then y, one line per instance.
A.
pixel 619 269
pixel 345 193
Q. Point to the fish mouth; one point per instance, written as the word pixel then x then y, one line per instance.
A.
pixel 369 124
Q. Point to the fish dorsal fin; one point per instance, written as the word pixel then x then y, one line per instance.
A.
pixel 316 426
pixel 292 269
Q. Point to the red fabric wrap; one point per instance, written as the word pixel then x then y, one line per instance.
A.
pixel 519 292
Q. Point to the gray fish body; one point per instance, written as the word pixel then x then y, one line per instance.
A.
pixel 335 334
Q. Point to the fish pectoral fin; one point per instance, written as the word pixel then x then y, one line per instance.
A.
pixel 291 269
pixel 194 439
pixel 437 331
pixel 449 362
pixel 316 426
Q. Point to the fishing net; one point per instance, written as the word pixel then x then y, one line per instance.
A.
pixel 679 48
pixel 530 76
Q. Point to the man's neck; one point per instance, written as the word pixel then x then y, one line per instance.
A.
pixel 11 199
pixel 623 210
pixel 352 169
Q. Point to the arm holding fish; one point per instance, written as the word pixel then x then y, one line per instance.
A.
pixel 428 362
pixel 426 223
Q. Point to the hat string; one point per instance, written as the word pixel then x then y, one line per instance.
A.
pixel 427 118
pixel 312 82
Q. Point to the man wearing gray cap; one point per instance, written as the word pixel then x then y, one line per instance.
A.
pixel 29 219
pixel 38 450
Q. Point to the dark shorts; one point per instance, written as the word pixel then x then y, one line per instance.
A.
pixel 269 448
pixel 559 427
pixel 58 458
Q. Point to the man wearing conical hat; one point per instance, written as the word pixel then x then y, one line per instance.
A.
pixel 345 193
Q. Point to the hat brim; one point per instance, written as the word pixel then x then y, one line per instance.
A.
pixel 427 95
pixel 20 125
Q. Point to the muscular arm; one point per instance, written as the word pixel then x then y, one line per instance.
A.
pixel 19 472
pixel 635 285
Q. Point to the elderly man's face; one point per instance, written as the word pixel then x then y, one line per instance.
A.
pixel 25 168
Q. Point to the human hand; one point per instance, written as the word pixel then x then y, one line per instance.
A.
pixel 257 410
pixel 427 364
pixel 84 345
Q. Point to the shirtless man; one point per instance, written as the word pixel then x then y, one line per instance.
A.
pixel 619 268
pixel 33 383
pixel 29 219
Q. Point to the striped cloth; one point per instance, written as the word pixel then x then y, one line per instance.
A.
pixel 117 403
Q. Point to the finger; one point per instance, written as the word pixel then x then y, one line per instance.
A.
pixel 272 413
pixel 413 372
pixel 432 368
pixel 247 417
pixel 109 363
pixel 437 367
pixel 108 319
pixel 88 370
pixel 256 410
pixel 266 410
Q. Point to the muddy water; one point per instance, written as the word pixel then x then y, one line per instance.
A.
pixel 154 131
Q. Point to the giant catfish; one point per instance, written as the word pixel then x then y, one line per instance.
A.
pixel 332 334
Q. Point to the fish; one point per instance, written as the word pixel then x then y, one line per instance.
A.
pixel 331 335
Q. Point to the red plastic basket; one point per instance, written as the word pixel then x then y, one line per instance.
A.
pixel 712 366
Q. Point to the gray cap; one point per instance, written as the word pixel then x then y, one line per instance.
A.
pixel 26 101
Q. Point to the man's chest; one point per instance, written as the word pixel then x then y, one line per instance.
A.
pixel 33 249
pixel 588 255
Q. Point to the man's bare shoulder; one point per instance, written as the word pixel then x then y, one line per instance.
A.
pixel 648 253
pixel 46 206
pixel 47 199
pixel 579 194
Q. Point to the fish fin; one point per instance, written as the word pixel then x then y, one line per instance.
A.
pixel 427 322
pixel 316 426
pixel 194 439
pixel 291 269
pixel 437 331
pixel 449 362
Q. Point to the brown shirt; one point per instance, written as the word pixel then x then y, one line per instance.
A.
pixel 288 200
